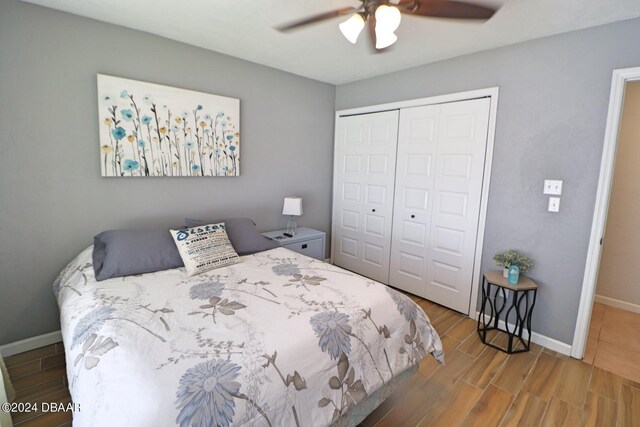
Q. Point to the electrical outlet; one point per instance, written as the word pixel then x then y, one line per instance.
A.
pixel 554 204
pixel 553 187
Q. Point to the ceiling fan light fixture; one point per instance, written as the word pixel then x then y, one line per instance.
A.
pixel 387 18
pixel 352 27
pixel 383 17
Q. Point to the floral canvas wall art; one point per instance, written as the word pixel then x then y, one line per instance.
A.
pixel 153 130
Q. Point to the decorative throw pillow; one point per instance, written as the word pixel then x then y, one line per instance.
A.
pixel 204 248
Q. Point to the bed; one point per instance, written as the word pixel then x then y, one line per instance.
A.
pixel 278 339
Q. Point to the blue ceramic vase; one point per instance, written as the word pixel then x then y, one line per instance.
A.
pixel 514 274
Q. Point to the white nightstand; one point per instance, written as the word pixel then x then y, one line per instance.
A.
pixel 306 241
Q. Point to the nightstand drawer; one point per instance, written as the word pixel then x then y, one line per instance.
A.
pixel 313 248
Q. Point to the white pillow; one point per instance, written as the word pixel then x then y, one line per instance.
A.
pixel 204 248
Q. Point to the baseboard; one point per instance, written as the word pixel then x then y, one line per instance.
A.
pixel 543 340
pixel 612 302
pixel 30 343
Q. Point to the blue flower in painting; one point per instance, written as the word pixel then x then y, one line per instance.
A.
pixel 333 329
pixel 118 133
pixel 229 137
pixel 220 114
pixel 207 117
pixel 286 269
pixel 224 124
pixel 146 120
pixel 195 168
pixel 199 107
pixel 124 94
pixel 175 129
pixel 90 323
pixel 127 114
pixel 190 145
pixel 232 148
pixel 206 290
pixel 147 99
pixel 405 306
pixel 130 165
pixel 206 392
pixel 185 114
pixel 141 143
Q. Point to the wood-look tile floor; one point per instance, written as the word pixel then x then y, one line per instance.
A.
pixel 478 386
pixel 40 376
pixel 613 343
pixel 481 386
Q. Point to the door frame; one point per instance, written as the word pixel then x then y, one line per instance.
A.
pixel 492 94
pixel 601 209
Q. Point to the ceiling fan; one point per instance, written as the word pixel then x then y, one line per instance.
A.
pixel 383 17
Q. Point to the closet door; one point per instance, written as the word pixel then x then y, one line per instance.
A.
pixel 364 171
pixel 436 259
pixel 415 181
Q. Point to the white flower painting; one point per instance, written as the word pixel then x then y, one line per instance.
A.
pixel 153 130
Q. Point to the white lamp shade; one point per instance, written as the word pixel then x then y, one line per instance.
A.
pixel 387 18
pixel 387 21
pixel 352 27
pixel 292 206
pixel 385 39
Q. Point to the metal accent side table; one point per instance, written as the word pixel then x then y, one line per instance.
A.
pixel 514 324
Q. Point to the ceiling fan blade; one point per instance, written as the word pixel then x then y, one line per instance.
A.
pixel 316 18
pixel 446 9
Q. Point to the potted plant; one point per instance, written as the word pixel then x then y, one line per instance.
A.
pixel 512 257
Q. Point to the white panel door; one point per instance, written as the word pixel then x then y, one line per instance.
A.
pixel 415 181
pixel 365 162
pixel 441 269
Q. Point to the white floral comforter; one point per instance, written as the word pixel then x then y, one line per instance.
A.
pixel 277 340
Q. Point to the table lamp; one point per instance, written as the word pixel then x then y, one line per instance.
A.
pixel 292 207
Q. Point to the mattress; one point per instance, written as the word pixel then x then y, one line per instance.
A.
pixel 279 339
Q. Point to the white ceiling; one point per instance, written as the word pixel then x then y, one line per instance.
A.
pixel 244 29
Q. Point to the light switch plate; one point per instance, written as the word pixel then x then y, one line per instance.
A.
pixel 554 204
pixel 553 187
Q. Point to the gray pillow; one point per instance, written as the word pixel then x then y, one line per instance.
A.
pixel 244 237
pixel 119 253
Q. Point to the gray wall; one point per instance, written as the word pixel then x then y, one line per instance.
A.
pixel 552 110
pixel 52 198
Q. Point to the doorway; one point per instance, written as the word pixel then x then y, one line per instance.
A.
pixel 612 342
pixel 609 313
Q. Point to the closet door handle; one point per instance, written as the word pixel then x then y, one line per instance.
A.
pixel 413 216
pixel 373 210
